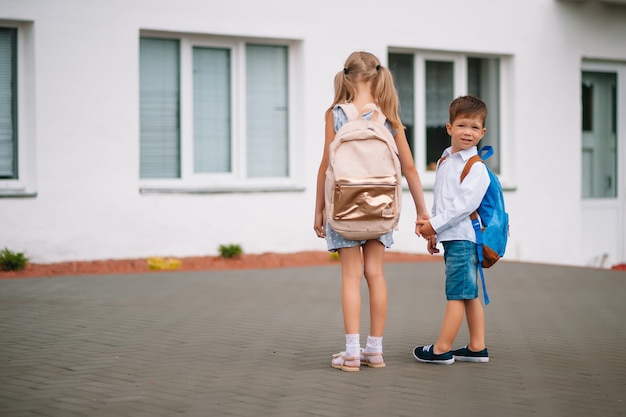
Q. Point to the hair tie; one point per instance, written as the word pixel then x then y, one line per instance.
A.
pixel 345 71
pixel 378 67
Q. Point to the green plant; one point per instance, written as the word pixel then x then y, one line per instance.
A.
pixel 12 261
pixel 230 251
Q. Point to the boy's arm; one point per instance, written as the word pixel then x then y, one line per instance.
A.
pixel 471 192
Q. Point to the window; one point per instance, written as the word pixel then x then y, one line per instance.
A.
pixel 17 113
pixel 214 113
pixel 8 104
pixel 160 110
pixel 599 129
pixel 426 84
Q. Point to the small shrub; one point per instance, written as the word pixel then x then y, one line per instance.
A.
pixel 230 251
pixel 12 261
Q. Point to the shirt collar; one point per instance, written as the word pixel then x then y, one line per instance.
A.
pixel 465 154
pixel 468 153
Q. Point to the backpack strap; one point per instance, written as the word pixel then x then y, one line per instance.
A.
pixel 440 161
pixel 377 114
pixel 487 151
pixel 353 113
pixel 483 153
pixel 468 165
pixel 479 252
pixel 466 170
pixel 350 110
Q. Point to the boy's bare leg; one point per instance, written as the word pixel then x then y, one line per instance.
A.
pixel 476 324
pixel 373 254
pixel 452 319
pixel 351 274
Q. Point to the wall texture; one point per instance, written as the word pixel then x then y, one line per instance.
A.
pixel 82 120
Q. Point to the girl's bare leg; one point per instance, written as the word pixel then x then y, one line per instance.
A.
pixel 351 275
pixel 373 254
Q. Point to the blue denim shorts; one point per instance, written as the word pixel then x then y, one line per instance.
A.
pixel 461 269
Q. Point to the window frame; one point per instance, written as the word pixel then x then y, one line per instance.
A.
pixel 24 184
pixel 460 87
pixel 236 180
pixel 593 65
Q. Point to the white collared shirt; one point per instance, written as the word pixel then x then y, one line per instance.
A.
pixel 454 200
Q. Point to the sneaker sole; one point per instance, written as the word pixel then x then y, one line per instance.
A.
pixel 437 362
pixel 475 359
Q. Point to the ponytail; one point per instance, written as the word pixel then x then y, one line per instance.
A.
pixel 387 96
pixel 363 65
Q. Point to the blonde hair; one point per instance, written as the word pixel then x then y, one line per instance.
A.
pixel 363 66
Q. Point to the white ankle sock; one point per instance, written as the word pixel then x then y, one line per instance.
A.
pixel 353 345
pixel 374 344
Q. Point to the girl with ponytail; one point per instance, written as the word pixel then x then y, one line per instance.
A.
pixel 369 85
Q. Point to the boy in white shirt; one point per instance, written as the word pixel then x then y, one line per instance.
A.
pixel 450 224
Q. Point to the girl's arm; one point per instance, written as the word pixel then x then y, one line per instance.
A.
pixel 318 225
pixel 412 177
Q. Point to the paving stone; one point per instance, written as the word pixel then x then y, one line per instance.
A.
pixel 259 343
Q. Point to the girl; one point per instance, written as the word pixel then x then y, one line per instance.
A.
pixel 368 85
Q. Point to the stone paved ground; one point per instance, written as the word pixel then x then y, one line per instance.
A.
pixel 258 343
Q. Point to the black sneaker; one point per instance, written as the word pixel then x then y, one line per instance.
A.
pixel 466 355
pixel 427 354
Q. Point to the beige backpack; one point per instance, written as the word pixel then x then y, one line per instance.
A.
pixel 364 177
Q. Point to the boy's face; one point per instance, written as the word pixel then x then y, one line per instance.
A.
pixel 466 131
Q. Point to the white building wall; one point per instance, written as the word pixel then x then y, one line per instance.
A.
pixel 83 120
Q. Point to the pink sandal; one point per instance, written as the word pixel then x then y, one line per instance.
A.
pixel 376 363
pixel 345 363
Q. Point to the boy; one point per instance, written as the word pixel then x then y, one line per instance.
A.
pixel 454 201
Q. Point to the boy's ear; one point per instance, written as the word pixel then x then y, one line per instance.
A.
pixel 449 129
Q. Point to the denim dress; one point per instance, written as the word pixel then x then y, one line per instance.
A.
pixel 334 240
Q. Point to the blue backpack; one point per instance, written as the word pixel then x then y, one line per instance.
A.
pixel 490 220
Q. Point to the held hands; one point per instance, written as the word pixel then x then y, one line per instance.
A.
pixel 420 226
pixel 423 227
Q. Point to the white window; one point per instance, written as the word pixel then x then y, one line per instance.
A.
pixel 599 126
pixel 16 115
pixel 427 83
pixel 8 104
pixel 215 114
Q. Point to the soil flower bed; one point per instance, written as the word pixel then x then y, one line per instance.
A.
pixel 204 263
